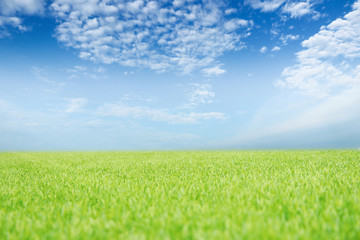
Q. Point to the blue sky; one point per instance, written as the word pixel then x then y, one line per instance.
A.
pixel 183 74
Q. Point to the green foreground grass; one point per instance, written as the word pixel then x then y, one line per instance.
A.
pixel 180 195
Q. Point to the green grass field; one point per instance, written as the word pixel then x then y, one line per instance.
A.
pixel 180 195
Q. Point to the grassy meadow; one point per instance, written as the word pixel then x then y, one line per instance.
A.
pixel 180 195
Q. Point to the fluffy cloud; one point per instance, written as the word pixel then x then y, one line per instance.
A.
pixel 293 8
pixel 9 21
pixel 10 9
pixel 330 61
pixel 275 49
pixel 159 115
pixel 335 109
pixel 12 22
pixel 216 70
pixel 263 49
pixel 299 9
pixel 265 5
pixel 184 35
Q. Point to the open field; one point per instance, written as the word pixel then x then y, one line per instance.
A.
pixel 187 195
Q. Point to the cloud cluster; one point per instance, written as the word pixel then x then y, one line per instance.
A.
pixel 295 9
pixel 200 94
pixel 7 22
pixel 215 70
pixel 14 22
pixel 11 9
pixel 330 60
pixel 289 37
pixel 184 34
pixel 123 110
pixel 276 48
pixel 299 9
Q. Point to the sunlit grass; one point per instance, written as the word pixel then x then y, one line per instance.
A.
pixel 180 195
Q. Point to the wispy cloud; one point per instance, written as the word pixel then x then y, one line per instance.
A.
pixel 276 48
pixel 184 35
pixel 81 71
pixel 75 105
pixel 6 21
pixel 156 114
pixel 200 94
pixel 42 75
pixel 335 109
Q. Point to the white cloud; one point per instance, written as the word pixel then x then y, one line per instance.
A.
pixel 10 11
pixel 216 70
pixel 75 105
pixel 14 118
pixel 265 5
pixel 159 115
pixel 275 49
pixel 235 23
pixel 330 61
pixel 295 8
pixel 11 7
pixel 299 9
pixel 318 124
pixel 184 36
pixel 289 37
pixel 14 22
pixel 230 11
pixel 200 94
pixel 263 49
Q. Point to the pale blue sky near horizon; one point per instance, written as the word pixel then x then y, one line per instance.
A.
pixel 183 74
